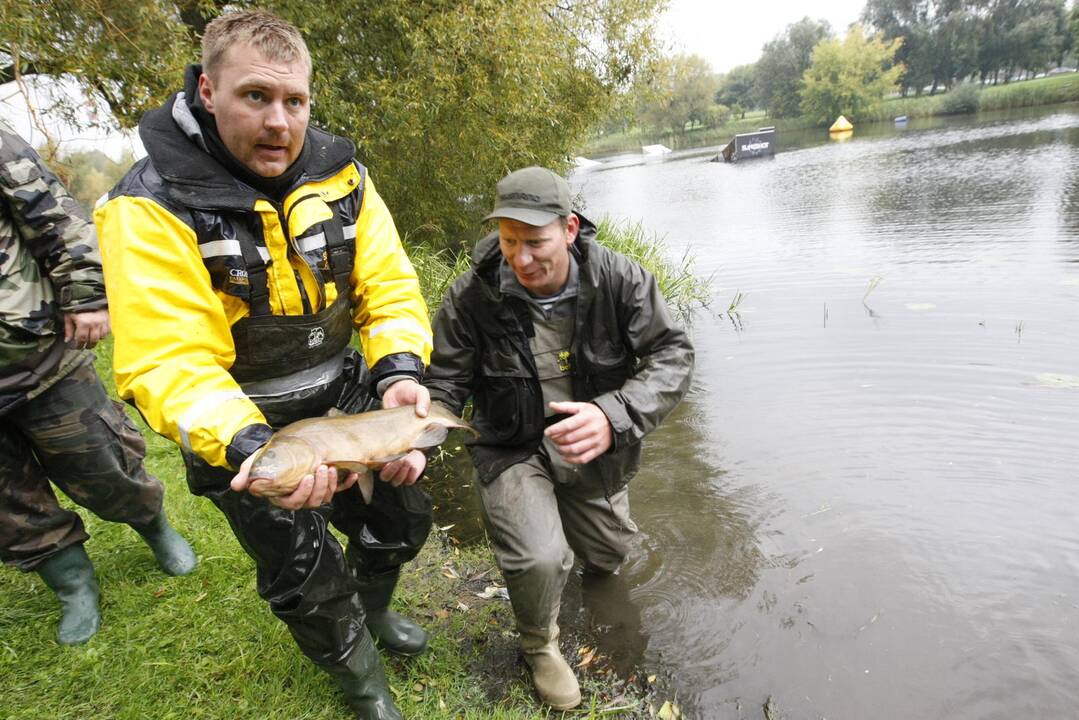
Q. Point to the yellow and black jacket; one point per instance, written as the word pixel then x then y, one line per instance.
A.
pixel 189 251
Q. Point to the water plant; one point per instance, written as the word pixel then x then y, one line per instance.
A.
pixel 873 282
pixel 736 301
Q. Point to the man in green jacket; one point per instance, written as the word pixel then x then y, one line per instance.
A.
pixel 56 422
pixel 571 357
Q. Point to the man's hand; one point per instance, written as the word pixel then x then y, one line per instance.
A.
pixel 583 436
pixel 405 471
pixel 408 469
pixel 313 490
pixel 408 392
pixel 86 328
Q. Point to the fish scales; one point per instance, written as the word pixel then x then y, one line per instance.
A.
pixel 359 443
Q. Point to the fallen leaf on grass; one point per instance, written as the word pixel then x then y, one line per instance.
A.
pixel 669 711
pixel 494 591
pixel 588 658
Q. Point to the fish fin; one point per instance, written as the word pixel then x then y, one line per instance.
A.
pixel 432 435
pixel 349 465
pixel 366 484
pixel 380 461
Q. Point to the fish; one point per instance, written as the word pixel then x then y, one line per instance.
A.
pixel 358 443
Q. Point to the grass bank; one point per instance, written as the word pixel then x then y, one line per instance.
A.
pixel 1053 90
pixel 205 646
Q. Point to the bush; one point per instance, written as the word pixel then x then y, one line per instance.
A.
pixel 960 100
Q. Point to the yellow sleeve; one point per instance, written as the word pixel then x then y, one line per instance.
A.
pixel 389 313
pixel 172 345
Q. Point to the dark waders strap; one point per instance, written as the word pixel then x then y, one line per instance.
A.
pixel 341 254
pixel 256 278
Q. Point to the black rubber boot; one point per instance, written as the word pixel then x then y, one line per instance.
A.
pixel 391 631
pixel 70 574
pixel 363 681
pixel 174 556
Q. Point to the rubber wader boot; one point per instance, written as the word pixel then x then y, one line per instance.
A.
pixel 174 556
pixel 555 682
pixel 70 575
pixel 363 681
pixel 392 631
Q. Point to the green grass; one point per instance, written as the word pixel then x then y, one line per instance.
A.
pixel 683 290
pixel 206 646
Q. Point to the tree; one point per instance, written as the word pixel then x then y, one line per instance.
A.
pixel 442 98
pixel 736 87
pixel 783 62
pixel 850 77
pixel 683 90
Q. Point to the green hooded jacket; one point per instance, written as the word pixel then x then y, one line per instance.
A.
pixel 628 356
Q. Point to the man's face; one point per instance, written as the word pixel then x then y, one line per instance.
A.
pixel 261 106
pixel 539 256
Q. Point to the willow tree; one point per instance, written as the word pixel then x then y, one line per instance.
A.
pixel 850 77
pixel 442 97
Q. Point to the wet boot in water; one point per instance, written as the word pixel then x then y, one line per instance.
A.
pixel 70 575
pixel 363 681
pixel 392 631
pixel 555 682
pixel 174 556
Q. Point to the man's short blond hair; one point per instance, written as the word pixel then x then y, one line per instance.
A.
pixel 276 39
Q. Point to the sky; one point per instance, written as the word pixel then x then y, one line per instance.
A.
pixel 732 33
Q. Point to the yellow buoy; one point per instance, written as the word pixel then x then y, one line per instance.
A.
pixel 841 124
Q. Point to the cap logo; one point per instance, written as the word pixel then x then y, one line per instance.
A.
pixel 520 196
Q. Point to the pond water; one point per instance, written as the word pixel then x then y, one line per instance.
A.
pixel 867 506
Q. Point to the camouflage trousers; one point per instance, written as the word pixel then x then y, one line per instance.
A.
pixel 76 436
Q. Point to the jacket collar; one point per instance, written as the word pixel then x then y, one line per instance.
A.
pixel 173 140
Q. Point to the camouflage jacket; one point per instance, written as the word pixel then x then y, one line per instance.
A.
pixel 49 265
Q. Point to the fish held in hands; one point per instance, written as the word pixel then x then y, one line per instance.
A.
pixel 355 443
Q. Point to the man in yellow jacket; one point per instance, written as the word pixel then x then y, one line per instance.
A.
pixel 240 255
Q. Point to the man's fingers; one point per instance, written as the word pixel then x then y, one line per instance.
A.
pixel 565 426
pixel 242 480
pixel 298 497
pixel 320 487
pixel 349 482
pixel 423 401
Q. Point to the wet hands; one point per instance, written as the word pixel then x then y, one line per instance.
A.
pixel 409 469
pixel 314 490
pixel 583 436
pixel 86 328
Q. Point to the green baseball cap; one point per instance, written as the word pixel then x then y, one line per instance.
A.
pixel 533 195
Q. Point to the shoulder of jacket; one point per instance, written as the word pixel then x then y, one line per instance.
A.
pixel 144 181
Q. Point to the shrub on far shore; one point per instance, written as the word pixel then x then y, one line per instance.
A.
pixel 961 99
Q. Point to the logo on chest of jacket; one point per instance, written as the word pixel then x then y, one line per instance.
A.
pixel 315 337
pixel 238 276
